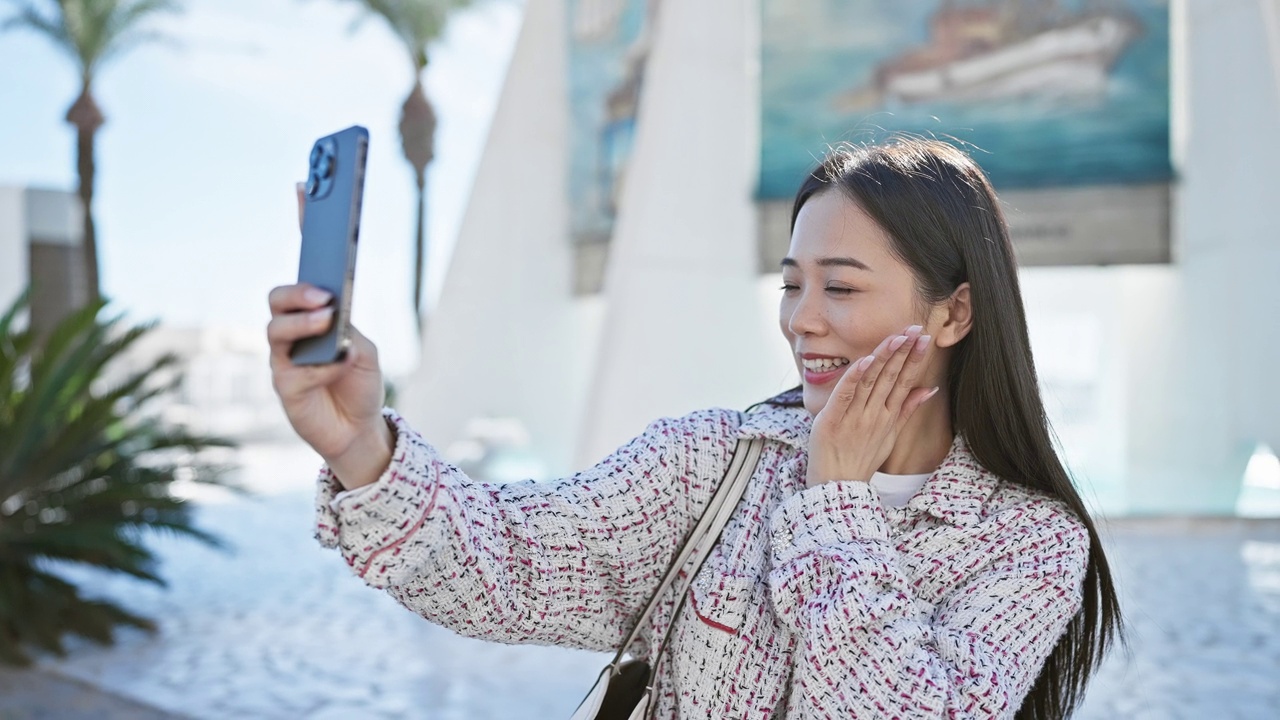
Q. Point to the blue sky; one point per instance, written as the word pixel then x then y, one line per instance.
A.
pixel 206 136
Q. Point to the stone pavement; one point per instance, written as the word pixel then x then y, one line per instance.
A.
pixel 38 695
pixel 281 629
pixel 1202 599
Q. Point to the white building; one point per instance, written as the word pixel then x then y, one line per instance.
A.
pixel 1161 379
pixel 226 381
pixel 40 246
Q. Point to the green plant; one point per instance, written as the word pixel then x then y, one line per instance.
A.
pixel 85 473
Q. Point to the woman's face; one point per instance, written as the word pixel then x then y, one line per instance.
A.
pixel 843 292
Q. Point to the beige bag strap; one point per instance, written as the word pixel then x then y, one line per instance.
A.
pixel 699 543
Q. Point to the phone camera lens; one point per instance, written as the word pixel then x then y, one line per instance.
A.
pixel 313 185
pixel 325 170
pixel 316 154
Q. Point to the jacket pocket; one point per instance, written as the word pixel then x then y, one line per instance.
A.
pixel 721 601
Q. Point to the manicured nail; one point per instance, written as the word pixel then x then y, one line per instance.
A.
pixel 865 362
pixel 932 392
pixel 321 314
pixel 897 343
pixel 922 342
pixel 317 296
pixel 914 329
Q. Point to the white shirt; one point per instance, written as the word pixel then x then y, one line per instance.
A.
pixel 896 490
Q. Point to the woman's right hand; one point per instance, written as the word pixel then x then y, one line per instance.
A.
pixel 329 405
pixel 335 408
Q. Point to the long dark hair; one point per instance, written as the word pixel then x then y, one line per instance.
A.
pixel 946 224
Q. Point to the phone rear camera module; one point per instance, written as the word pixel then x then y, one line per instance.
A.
pixel 320 177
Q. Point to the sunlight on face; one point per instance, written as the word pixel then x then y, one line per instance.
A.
pixel 843 292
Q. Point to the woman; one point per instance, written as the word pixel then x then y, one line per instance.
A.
pixel 908 546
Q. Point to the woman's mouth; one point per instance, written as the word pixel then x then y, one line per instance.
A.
pixel 821 370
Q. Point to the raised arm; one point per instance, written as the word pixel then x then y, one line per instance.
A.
pixel 565 562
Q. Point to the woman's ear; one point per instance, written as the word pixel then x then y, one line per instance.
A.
pixel 953 318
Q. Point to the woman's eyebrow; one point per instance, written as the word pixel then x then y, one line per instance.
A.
pixel 830 262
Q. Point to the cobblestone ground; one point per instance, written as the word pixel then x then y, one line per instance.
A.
pixel 36 695
pixel 281 629
pixel 1203 606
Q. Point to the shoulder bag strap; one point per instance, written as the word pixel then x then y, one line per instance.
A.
pixel 700 541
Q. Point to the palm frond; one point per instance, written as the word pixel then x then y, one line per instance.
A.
pixel 29 17
pixel 416 23
pixel 92 32
pixel 86 475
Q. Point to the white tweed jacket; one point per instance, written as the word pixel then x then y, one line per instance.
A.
pixel 816 601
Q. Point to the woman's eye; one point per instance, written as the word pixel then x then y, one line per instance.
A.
pixel 840 290
pixel 786 287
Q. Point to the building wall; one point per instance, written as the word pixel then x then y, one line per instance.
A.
pixel 1160 379
pixel 226 381
pixel 507 339
pixel 55 230
pixel 680 330
pixel 13 244
pixel 1214 393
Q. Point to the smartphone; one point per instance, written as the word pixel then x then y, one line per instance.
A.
pixel 330 233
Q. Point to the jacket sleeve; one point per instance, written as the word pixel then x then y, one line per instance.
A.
pixel 567 562
pixel 866 648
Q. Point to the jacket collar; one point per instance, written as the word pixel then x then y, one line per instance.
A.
pixel 955 492
pixel 958 489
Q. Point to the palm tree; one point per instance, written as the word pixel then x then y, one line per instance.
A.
pixel 85 469
pixel 417 23
pixel 92 33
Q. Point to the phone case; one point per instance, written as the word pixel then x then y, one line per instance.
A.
pixel 330 233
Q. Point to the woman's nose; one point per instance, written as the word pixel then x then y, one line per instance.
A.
pixel 806 317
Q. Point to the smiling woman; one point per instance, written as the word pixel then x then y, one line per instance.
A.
pixel 908 545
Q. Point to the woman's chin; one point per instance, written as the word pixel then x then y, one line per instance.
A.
pixel 815 400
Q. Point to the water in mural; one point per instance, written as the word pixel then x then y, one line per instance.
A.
pixel 608 46
pixel 1046 93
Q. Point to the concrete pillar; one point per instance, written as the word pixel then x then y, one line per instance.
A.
pixel 1212 391
pixel 506 338
pixel 682 327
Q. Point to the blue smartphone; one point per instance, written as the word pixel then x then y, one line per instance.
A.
pixel 330 233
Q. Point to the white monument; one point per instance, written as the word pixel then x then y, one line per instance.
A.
pixel 1161 379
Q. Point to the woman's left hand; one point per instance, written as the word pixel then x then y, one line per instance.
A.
pixel 853 435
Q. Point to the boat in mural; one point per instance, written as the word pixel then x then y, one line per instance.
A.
pixel 981 51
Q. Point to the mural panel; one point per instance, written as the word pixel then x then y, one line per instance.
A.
pixel 608 46
pixel 1043 93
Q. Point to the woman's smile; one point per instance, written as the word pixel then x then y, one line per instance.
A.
pixel 822 369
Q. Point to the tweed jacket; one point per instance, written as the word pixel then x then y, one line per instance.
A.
pixel 816 601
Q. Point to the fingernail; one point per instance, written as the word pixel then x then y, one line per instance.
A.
pixel 317 296
pixel 922 342
pixel 865 362
pixel 932 392
pixel 321 314
pixel 915 329
pixel 897 343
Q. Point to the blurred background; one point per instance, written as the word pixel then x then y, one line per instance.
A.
pixel 573 217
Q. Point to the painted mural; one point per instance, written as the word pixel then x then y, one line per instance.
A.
pixel 1043 93
pixel 609 44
